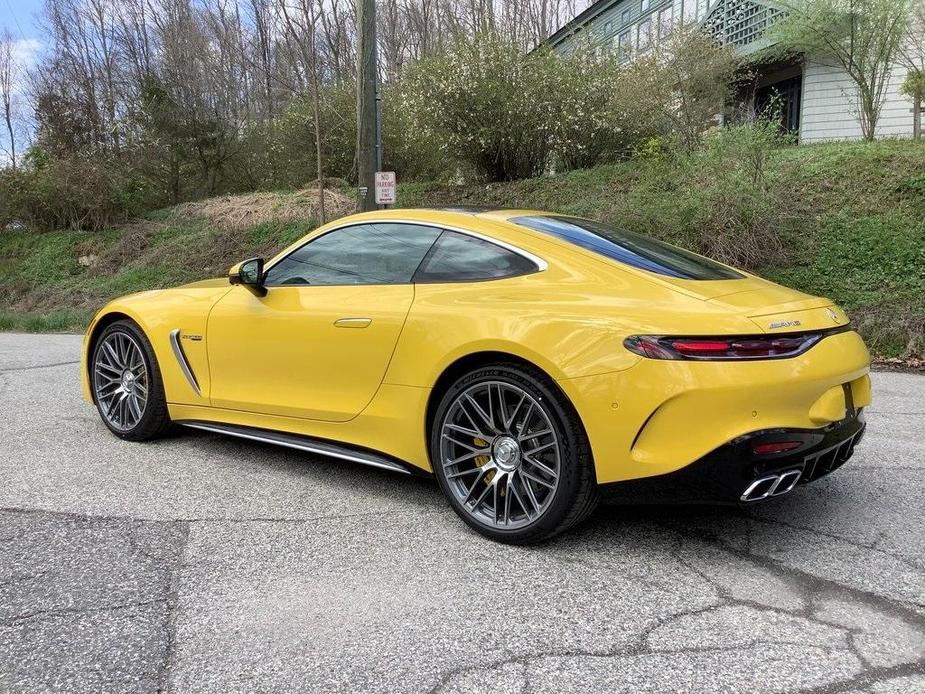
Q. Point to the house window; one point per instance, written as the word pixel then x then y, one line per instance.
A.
pixel 626 16
pixel 608 27
pixel 644 5
pixel 644 35
pixel 665 21
pixel 624 45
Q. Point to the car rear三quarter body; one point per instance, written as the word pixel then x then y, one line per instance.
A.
pixel 528 361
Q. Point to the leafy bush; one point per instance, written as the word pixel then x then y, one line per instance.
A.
pixel 293 142
pixel 74 192
pixel 677 88
pixel 489 103
pixel 406 150
pixel 745 211
pixel 724 200
pixel 507 115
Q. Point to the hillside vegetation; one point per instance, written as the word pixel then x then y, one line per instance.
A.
pixel 845 221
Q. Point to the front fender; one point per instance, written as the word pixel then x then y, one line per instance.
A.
pixel 158 313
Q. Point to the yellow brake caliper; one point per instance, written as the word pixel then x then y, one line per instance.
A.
pixel 482 460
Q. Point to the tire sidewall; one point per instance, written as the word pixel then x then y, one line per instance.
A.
pixel 564 496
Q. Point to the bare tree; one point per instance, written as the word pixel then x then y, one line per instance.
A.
pixel 7 85
pixel 861 37
pixel 912 57
pixel 303 21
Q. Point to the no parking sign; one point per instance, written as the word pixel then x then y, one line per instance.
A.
pixel 385 187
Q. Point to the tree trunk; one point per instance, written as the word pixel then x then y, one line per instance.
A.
pixel 174 178
pixel 9 127
pixel 316 97
pixel 917 115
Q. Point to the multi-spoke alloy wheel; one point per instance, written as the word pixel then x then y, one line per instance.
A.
pixel 500 454
pixel 126 383
pixel 120 379
pixel 511 456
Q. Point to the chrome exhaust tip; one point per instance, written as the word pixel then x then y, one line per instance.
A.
pixel 771 485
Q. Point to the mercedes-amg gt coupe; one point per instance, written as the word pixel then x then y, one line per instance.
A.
pixel 531 362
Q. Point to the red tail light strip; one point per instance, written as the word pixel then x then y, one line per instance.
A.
pixel 737 348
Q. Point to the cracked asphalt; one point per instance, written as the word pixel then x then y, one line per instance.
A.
pixel 205 564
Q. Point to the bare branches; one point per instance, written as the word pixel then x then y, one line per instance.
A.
pixel 8 70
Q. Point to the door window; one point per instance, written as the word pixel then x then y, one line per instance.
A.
pixel 378 253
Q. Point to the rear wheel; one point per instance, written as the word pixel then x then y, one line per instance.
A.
pixel 126 383
pixel 511 456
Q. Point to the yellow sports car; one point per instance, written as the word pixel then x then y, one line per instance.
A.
pixel 527 360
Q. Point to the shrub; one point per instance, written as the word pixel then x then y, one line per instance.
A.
pixel 744 213
pixel 406 149
pixel 508 115
pixel 74 192
pixel 723 200
pixel 590 125
pixel 679 86
pixel 293 142
pixel 489 104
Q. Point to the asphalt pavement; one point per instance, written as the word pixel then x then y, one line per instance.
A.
pixel 201 563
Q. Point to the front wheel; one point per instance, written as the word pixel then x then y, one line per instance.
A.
pixel 126 383
pixel 511 455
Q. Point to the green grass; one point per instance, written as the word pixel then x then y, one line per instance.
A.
pixel 851 218
pixel 273 233
pixel 50 322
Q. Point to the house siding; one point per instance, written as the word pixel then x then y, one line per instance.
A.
pixel 828 109
pixel 830 106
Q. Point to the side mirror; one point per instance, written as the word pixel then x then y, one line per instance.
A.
pixel 250 274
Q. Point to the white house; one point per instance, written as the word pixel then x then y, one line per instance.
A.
pixel 818 100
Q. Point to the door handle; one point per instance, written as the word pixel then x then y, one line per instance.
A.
pixel 353 322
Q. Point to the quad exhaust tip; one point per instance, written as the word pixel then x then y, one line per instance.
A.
pixel 771 485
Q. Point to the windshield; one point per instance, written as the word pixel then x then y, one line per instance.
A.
pixel 629 248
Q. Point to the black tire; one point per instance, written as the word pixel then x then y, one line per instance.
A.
pixel 576 495
pixel 154 420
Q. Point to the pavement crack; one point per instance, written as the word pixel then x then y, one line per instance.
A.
pixel 870 676
pixel 38 366
pixel 165 667
pixel 817 586
pixel 869 546
pixel 74 516
pixel 59 611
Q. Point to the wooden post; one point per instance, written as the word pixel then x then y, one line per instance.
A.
pixel 366 103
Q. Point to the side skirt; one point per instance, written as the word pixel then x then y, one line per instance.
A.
pixel 304 443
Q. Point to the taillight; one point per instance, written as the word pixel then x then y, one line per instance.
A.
pixel 775 447
pixel 721 348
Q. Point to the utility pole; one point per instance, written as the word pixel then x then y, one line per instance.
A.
pixel 368 147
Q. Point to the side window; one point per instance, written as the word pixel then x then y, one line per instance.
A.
pixel 378 253
pixel 462 258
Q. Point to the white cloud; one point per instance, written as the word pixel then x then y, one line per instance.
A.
pixel 26 52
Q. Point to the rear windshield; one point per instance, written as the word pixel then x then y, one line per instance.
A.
pixel 632 249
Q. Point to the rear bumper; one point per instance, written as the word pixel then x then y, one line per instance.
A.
pixel 660 416
pixel 734 473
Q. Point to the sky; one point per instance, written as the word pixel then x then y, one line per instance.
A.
pixel 19 17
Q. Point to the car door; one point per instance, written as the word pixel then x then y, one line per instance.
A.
pixel 318 344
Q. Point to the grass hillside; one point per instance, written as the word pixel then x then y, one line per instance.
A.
pixel 845 221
